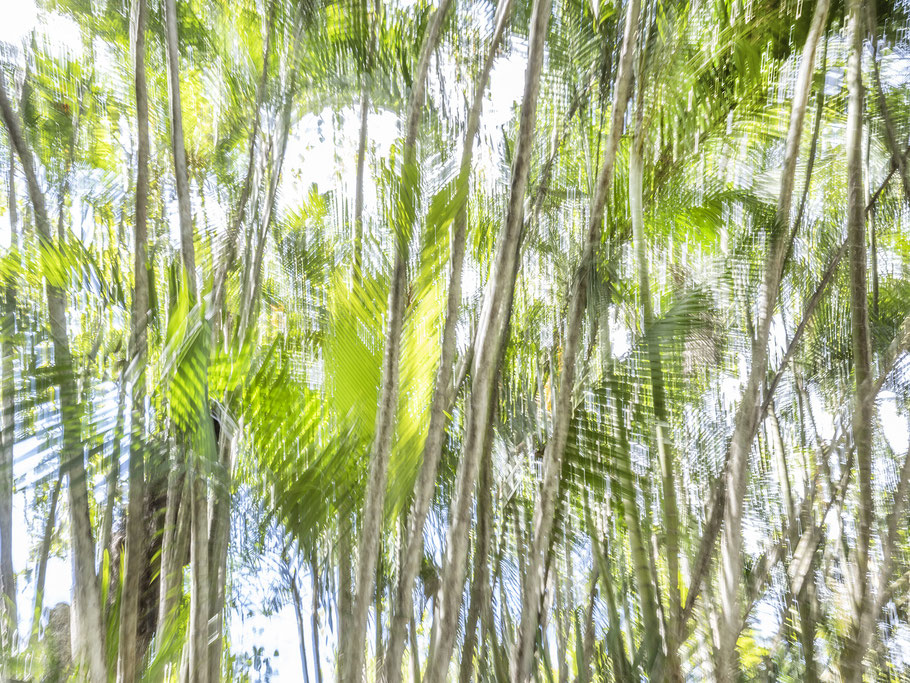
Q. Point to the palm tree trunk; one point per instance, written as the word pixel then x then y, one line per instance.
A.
pixel 171 572
pixel 858 641
pixel 197 500
pixel 298 613
pixel 545 510
pixel 747 416
pixel 345 589
pixel 317 661
pixel 358 187
pixel 374 499
pixel 178 148
pixel 43 553
pixel 483 534
pixel 135 531
pixel 170 550
pixel 444 392
pixel 86 594
pixel 199 594
pixel 8 616
pixel 113 474
pixel 490 340
pixel 658 397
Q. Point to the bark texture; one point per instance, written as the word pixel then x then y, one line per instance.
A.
pixel 545 509
pixel 489 341
pixel 86 591
pixel 444 391
pixel 388 388
pixel 857 643
pixel 135 529
pixel 747 415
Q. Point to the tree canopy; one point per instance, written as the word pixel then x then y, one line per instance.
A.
pixel 455 340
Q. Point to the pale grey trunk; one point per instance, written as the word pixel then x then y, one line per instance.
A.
pixel 113 474
pixel 483 534
pixel 301 631
pixel 792 524
pixel 8 617
pixel 135 531
pixel 171 573
pixel 891 139
pixel 178 148
pixel 43 553
pixel 314 620
pixel 662 437
pixel 345 588
pixel 444 392
pixel 86 591
pixel 219 524
pixel 171 565
pixel 489 343
pixel 374 499
pixel 358 187
pixel 198 628
pixel 545 509
pixel 858 640
pixel 747 415
pixel 197 498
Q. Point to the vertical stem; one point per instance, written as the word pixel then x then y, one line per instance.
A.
pixel 854 652
pixel 135 531
pixel 8 616
pixel 386 413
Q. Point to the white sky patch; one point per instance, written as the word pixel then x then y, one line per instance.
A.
pixel 894 423
pixel 19 18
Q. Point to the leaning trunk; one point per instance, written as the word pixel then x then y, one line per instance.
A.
pixel 86 591
pixel 858 641
pixel 658 396
pixel 545 510
pixel 43 554
pixel 443 395
pixel 8 617
pixel 374 498
pixel 135 529
pixel 489 342
pixel 747 416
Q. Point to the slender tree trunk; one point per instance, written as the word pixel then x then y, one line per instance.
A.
pixel 43 553
pixel 86 591
pixel 197 499
pixel 135 530
pixel 171 566
pixel 662 438
pixel 858 641
pixel 358 187
pixel 178 148
pixel 345 588
pixel 639 538
pixel 545 509
pixel 747 415
pixel 219 524
pixel 374 498
pixel 415 651
pixel 403 606
pixel 317 661
pixel 171 572
pixel 483 533
pixel 490 340
pixel 113 474
pixel 298 612
pixel 8 617
pixel 891 139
